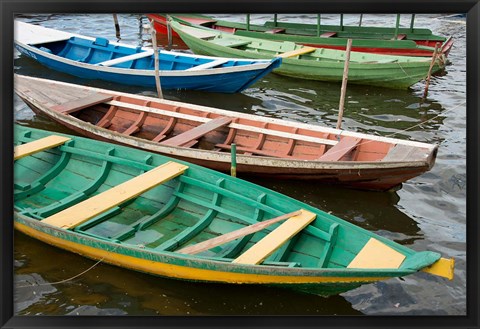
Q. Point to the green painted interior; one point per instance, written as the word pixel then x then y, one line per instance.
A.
pixel 198 205
pixel 398 72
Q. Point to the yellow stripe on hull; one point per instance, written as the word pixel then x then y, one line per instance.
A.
pixel 178 271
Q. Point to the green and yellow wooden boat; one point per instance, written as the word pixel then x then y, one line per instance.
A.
pixel 153 214
pixel 399 72
pixel 398 41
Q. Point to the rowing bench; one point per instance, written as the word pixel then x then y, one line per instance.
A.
pixel 297 52
pixel 191 135
pixel 85 210
pixel 82 103
pixel 39 145
pixel 339 150
pixel 124 59
pixel 275 239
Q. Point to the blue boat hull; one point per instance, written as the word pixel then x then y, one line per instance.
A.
pixel 87 58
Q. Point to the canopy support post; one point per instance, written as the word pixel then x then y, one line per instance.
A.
pixel 248 22
pixel 275 20
pixel 318 24
pixel 341 22
pixel 412 22
pixel 397 24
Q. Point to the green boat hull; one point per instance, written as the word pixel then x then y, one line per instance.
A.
pixel 144 233
pixel 398 72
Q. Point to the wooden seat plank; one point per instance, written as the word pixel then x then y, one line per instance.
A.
pixel 297 52
pixel 197 132
pixel 376 254
pixel 209 65
pixel 81 103
pixel 85 210
pixel 275 239
pixel 39 145
pixel 124 59
pixel 336 152
pixel 227 237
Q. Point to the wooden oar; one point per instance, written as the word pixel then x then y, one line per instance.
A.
pixel 219 240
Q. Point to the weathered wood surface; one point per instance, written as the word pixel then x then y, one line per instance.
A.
pixel 402 152
pixel 82 103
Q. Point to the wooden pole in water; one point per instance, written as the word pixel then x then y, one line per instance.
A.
pixel 117 26
pixel 233 154
pixel 344 84
pixel 156 60
pixel 432 63
pixel 169 35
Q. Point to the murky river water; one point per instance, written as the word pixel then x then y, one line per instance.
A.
pixel 428 212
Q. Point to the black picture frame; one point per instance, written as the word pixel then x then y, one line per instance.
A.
pixel 10 7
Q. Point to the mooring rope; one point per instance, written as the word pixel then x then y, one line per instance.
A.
pixel 69 279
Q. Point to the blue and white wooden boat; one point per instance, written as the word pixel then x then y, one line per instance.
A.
pixel 99 58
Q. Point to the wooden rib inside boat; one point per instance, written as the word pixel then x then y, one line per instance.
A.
pixel 205 136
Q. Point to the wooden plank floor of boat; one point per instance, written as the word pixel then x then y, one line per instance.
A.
pixel 85 210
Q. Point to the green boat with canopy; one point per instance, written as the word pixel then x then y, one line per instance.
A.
pixel 398 41
pixel 154 214
pixel 299 61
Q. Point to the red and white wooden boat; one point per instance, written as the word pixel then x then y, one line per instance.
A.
pixel 203 135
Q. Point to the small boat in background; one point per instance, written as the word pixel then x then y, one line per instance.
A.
pixel 153 214
pixel 378 40
pixel 99 58
pixel 203 135
pixel 310 63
